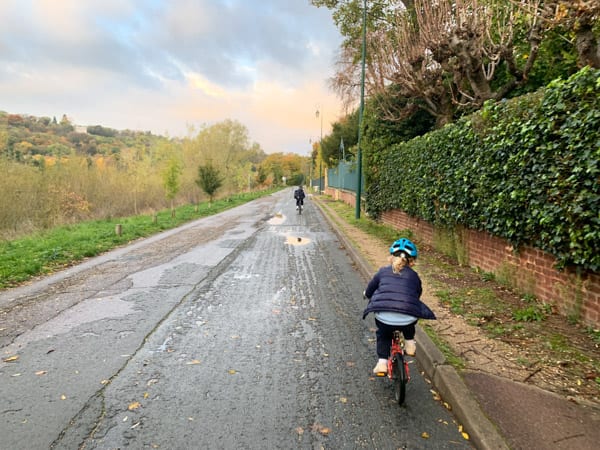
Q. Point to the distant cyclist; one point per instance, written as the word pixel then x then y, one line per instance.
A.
pixel 299 195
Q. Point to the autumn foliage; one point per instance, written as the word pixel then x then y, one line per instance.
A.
pixel 54 172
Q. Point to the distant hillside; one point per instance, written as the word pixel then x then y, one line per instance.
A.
pixel 30 139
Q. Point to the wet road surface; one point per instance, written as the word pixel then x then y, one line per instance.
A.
pixel 242 330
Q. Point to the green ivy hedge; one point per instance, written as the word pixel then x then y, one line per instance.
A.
pixel 526 170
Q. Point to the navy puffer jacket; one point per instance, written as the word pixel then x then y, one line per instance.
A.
pixel 397 292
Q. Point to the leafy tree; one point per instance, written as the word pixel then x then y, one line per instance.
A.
pixel 171 182
pixel 227 146
pixel 345 130
pixel 279 165
pixel 65 126
pixel 209 180
pixel 261 175
pixel 102 131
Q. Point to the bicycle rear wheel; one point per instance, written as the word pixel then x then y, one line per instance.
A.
pixel 400 378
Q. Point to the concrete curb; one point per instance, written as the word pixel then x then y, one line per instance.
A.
pixel 482 432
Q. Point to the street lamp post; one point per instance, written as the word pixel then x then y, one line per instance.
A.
pixel 361 110
pixel 320 113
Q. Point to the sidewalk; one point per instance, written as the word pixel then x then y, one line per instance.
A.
pixel 496 412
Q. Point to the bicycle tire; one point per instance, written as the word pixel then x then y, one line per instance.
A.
pixel 400 378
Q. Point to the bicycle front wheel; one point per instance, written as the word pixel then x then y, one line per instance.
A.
pixel 400 378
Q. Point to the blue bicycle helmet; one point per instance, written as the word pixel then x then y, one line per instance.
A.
pixel 406 246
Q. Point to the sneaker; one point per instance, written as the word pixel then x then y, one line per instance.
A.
pixel 410 347
pixel 381 367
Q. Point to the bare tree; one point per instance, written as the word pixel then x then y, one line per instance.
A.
pixel 445 54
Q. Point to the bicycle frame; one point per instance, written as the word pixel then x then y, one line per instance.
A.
pixel 396 359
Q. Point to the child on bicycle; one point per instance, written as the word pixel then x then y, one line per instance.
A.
pixel 299 195
pixel 394 295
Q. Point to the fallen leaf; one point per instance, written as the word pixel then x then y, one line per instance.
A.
pixel 104 382
pixel 133 406
pixel 41 372
pixel 465 435
pixel 232 371
pixel 312 318
pixel 16 375
pixel 146 395
pixel 193 362
pixel 435 395
pixel 343 400
pixel 11 358
pixel 425 435
pixel 300 430
pixel 63 397
pixel 135 425
pixel 125 419
pixel 321 429
pixel 235 337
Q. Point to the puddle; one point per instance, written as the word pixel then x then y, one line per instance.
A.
pixel 297 240
pixel 277 219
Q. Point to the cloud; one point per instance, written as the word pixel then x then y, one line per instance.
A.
pixel 163 64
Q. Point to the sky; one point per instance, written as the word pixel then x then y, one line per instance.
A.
pixel 167 65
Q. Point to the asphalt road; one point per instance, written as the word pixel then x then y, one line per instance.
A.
pixel 242 330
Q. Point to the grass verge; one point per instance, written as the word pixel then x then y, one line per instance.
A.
pixel 51 250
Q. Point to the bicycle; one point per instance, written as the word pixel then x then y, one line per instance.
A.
pixel 299 206
pixel 398 371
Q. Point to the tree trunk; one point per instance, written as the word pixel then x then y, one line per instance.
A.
pixel 587 47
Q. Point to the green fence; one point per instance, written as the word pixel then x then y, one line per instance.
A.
pixel 344 176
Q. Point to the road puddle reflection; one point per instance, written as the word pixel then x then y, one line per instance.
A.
pixel 297 240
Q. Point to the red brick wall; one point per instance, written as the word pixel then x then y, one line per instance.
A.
pixel 529 270
pixel 348 197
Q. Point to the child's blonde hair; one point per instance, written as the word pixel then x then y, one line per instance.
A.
pixel 400 262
